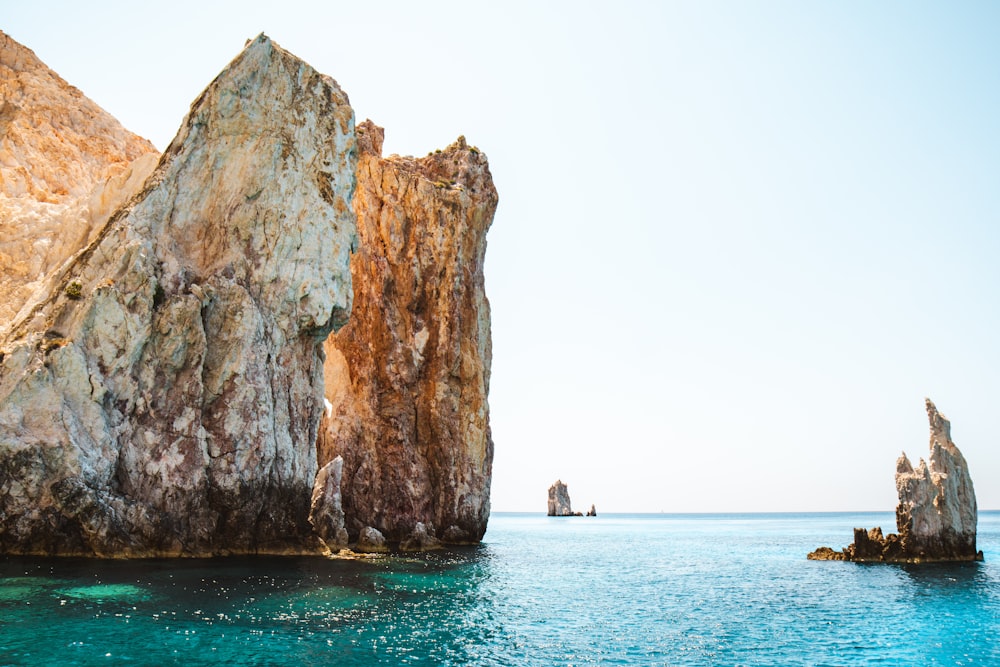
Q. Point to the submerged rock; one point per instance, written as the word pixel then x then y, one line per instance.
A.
pixel 407 378
pixel 559 503
pixel 936 516
pixel 163 396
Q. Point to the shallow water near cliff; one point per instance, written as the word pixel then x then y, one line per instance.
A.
pixel 616 589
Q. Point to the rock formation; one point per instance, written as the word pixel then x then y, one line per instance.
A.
pixel 592 511
pixel 372 541
pixel 407 377
pixel 161 373
pixel 559 504
pixel 65 165
pixel 936 516
pixel 162 396
pixel 326 511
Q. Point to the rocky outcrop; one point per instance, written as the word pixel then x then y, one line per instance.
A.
pixel 162 397
pixel 420 539
pixel 592 511
pixel 326 511
pixel 371 540
pixel 65 166
pixel 407 378
pixel 160 365
pixel 559 503
pixel 936 516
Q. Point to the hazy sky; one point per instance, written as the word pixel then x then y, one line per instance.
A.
pixel 737 242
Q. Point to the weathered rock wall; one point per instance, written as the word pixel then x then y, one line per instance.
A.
pixel 164 396
pixel 407 378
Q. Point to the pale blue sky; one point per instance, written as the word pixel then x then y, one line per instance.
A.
pixel 737 242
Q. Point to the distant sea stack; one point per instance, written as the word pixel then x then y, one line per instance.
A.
pixel 162 322
pixel 559 503
pixel 936 516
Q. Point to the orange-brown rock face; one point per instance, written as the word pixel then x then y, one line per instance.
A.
pixel 65 165
pixel 70 143
pixel 407 378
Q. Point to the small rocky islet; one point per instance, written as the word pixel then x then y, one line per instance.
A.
pixel 936 516
pixel 560 504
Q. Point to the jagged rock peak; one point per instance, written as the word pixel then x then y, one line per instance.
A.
pixel 407 378
pixel 459 166
pixel 936 517
pixel 55 143
pixel 937 502
pixel 163 398
pixel 940 426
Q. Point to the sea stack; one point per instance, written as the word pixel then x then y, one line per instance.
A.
pixel 559 504
pixel 936 516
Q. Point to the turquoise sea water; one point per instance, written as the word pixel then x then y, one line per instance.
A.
pixel 611 590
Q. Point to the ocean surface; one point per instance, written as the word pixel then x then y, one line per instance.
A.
pixel 725 589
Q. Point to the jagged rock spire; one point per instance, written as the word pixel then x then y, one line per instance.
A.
pixel 936 516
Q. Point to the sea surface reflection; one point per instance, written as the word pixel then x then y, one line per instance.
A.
pixel 638 589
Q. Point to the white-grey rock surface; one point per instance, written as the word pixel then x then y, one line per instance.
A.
pixel 163 397
pixel 936 517
pixel 937 514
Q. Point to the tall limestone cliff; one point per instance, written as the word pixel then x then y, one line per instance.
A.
pixel 163 396
pixel 936 516
pixel 65 165
pixel 407 378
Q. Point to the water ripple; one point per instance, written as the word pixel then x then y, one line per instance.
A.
pixel 717 590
